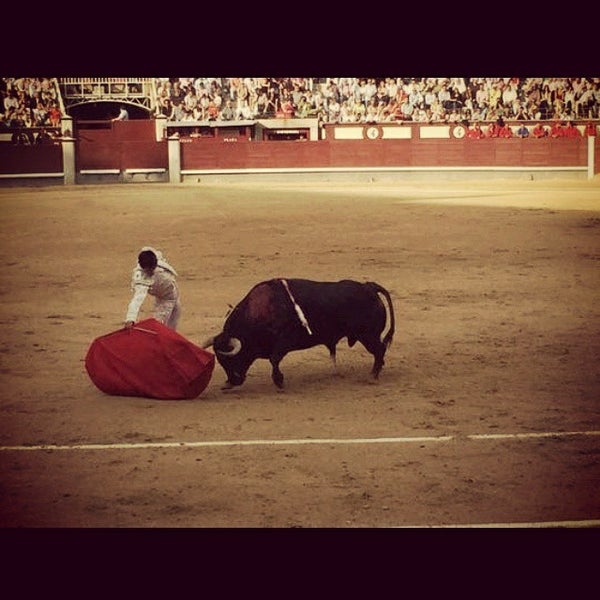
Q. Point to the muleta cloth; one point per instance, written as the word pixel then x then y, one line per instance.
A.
pixel 149 360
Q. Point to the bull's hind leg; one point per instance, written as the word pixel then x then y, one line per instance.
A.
pixel 377 348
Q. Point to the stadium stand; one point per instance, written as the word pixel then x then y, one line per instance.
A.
pixel 40 101
pixel 33 103
pixel 362 100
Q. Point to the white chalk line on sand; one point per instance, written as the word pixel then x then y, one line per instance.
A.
pixel 516 525
pixel 304 441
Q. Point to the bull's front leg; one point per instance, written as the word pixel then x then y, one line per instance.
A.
pixel 276 374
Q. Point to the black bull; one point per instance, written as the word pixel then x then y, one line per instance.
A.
pixel 282 315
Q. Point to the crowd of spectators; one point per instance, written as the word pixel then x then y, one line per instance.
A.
pixel 29 102
pixel 556 129
pixel 34 102
pixel 364 100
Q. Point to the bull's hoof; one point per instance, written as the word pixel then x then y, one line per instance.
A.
pixel 227 386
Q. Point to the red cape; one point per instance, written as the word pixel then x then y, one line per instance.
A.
pixel 149 360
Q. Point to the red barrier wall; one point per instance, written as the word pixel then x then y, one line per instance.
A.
pixel 253 155
pixel 132 145
pixel 208 154
pixel 124 145
pixel 42 158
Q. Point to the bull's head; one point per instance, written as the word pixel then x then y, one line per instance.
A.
pixel 231 356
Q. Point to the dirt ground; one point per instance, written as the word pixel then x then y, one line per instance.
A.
pixel 495 287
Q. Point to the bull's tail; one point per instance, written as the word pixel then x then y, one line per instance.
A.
pixel 387 340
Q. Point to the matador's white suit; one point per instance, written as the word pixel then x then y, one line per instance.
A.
pixel 162 285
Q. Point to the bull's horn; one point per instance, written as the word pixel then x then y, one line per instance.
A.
pixel 209 342
pixel 236 346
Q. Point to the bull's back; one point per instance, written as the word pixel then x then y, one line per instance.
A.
pixel 329 295
pixel 339 307
pixel 332 308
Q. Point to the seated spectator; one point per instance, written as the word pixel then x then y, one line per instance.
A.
pixel 272 102
pixel 202 105
pixel 406 110
pixel 557 130
pixel 304 108
pixel 243 111
pixel 11 118
pixel 54 115
pixel 227 113
pixel 523 131
pixel 11 100
pixel 25 116
pixel 493 130
pixel 539 131
pixel 504 130
pixel 190 100
pixel 333 110
pixel 395 110
pixel 475 132
pixel 178 113
pixel 212 112
pixel 571 131
pixel 43 137
pixel 165 108
pixel 21 138
pixel 198 114
pixel 346 115
pixel 287 108
pixel 40 115
pixel 591 130
pixel 419 116
pixel 522 114
pixel 371 113
pixel 261 103
pixel 359 111
pixel 188 115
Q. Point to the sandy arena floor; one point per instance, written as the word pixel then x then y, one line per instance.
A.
pixel 495 286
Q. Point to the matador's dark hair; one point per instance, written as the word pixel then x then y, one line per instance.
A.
pixel 147 259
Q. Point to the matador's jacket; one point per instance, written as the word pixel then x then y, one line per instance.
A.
pixel 161 284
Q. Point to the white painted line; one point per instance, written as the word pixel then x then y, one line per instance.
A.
pixel 301 442
pixel 506 436
pixel 542 524
pixel 209 444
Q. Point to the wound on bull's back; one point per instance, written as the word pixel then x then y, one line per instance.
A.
pixel 260 303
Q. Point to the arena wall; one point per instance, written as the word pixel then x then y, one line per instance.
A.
pixel 138 150
pixel 43 161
